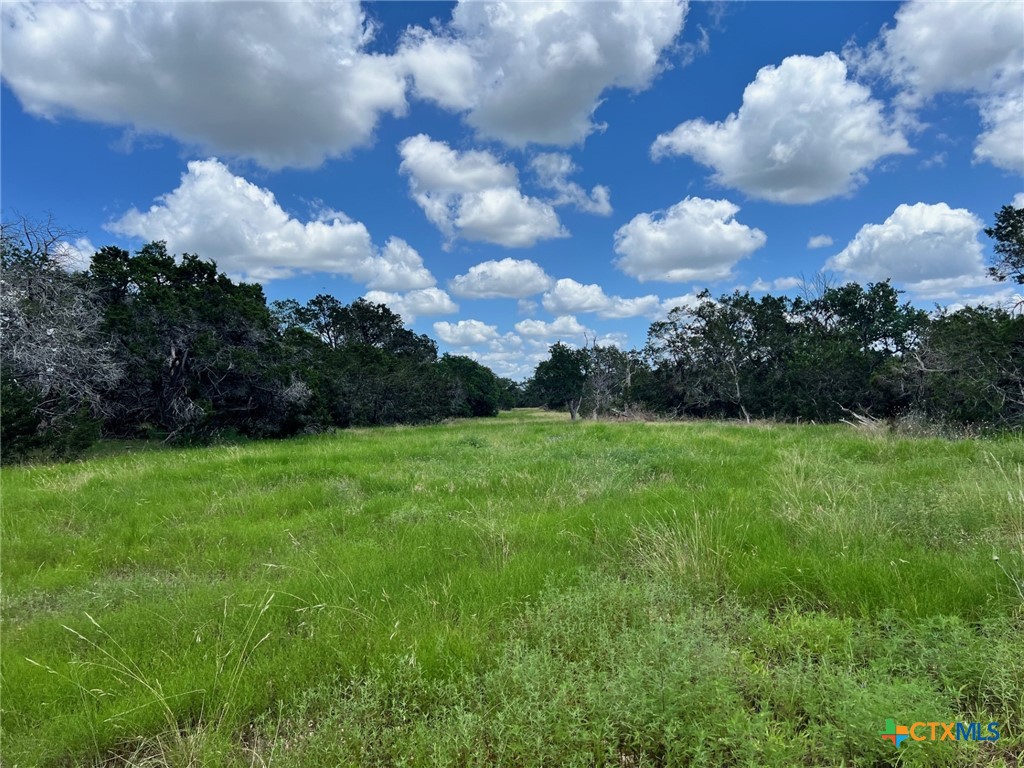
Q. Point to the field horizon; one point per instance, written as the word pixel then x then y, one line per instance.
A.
pixel 520 590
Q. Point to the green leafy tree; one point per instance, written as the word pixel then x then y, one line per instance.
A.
pixel 811 358
pixel 726 357
pixel 362 322
pixel 475 390
pixel 510 394
pixel 1008 233
pixel 561 379
pixel 848 348
pixel 201 353
pixel 363 366
pixel 970 368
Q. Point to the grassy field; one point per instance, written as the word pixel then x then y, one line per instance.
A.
pixel 517 591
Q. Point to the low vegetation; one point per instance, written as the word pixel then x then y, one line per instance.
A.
pixel 516 591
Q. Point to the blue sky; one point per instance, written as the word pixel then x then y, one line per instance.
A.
pixel 507 175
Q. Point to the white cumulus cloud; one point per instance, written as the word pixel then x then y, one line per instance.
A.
pixel 553 170
pixel 568 296
pixel 686 300
pixel 507 217
pixel 75 256
pixel 224 217
pixel 413 304
pixel 535 72
pixel 399 267
pixel 508 278
pixel 974 48
pixel 804 133
pixel 443 69
pixel 695 239
pixel 778 284
pixel 940 45
pixel 511 355
pixel 1002 141
pixel 933 250
pixel 474 196
pixel 565 326
pixel 286 84
pixel 819 241
pixel 465 333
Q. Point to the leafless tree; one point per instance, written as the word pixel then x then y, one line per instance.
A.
pixel 51 340
pixel 609 374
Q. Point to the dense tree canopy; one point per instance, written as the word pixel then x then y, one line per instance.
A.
pixel 845 350
pixel 969 368
pixel 475 390
pixel 776 357
pixel 199 350
pixel 153 345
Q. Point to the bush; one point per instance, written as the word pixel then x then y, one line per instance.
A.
pixel 25 434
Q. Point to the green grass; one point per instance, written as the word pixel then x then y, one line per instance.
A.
pixel 518 591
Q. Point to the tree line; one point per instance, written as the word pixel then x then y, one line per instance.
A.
pixel 850 352
pixel 838 352
pixel 149 345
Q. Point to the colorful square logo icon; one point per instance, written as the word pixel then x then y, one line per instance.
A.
pixel 895 733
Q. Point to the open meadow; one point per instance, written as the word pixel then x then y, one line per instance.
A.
pixel 517 591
